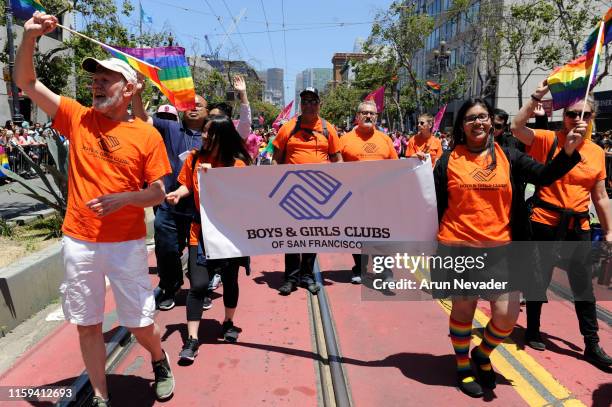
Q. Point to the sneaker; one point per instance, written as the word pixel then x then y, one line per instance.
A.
pixel 216 282
pixel 468 385
pixel 207 303
pixel 229 332
pixel 597 356
pixel 166 302
pixel 534 340
pixel 98 401
pixel 486 375
pixel 189 352
pixel 387 276
pixel 356 279
pixel 164 380
pixel 287 288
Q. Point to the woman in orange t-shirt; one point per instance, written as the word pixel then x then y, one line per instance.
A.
pixel 479 216
pixel 222 146
pixel 561 213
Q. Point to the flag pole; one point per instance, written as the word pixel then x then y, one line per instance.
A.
pixel 593 66
pixel 108 46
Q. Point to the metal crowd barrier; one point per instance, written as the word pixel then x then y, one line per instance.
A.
pixel 19 165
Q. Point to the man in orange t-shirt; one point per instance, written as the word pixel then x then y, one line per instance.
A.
pixel 303 140
pixel 112 156
pixel 424 142
pixel 365 143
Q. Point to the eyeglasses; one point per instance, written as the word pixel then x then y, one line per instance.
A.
pixel 498 126
pixel 573 114
pixel 310 102
pixel 482 117
pixel 368 113
pixel 424 123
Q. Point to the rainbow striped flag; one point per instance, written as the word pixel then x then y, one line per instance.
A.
pixel 590 42
pixel 23 9
pixel 435 87
pixel 4 161
pixel 569 83
pixel 173 77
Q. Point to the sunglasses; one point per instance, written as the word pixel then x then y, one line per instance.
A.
pixel 310 102
pixel 573 114
pixel 368 113
pixel 424 123
pixel 498 126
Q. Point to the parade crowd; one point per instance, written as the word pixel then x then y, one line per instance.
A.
pixel 115 151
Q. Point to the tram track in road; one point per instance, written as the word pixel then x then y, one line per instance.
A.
pixel 334 385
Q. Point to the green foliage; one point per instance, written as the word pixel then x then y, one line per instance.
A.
pixel 340 103
pixel 6 229
pixel 269 111
pixel 211 84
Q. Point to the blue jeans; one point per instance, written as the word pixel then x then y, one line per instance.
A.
pixel 171 236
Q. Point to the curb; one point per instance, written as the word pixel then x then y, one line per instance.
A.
pixel 30 284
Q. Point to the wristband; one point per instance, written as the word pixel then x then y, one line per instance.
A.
pixel 536 98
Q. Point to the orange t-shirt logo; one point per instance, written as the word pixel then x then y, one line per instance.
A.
pixel 109 143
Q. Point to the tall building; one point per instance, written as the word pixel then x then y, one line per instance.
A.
pixel 316 77
pixel 342 69
pixel 275 87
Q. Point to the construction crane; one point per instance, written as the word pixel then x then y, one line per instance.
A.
pixel 214 53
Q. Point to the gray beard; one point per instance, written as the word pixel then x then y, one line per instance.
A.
pixel 107 103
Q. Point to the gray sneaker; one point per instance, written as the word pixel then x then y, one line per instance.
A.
pixel 356 279
pixel 216 282
pixel 164 380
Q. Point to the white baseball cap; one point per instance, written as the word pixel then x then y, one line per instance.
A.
pixel 112 64
pixel 167 109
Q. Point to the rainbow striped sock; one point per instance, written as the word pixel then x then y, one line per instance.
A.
pixel 493 336
pixel 461 335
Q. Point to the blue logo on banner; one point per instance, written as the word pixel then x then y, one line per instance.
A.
pixel 310 195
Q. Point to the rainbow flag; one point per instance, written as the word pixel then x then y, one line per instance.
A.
pixel 591 40
pixel 569 83
pixel 23 9
pixel 435 87
pixel 173 77
pixel 4 161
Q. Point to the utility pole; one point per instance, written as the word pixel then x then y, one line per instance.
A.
pixel 17 117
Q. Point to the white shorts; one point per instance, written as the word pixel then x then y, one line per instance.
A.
pixel 84 287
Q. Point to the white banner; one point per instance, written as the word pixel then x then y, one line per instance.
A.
pixel 316 208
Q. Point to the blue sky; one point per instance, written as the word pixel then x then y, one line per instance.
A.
pixel 313 33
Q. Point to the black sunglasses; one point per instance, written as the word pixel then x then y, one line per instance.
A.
pixel 498 126
pixel 572 114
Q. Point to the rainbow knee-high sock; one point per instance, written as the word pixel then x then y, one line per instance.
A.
pixel 493 336
pixel 461 334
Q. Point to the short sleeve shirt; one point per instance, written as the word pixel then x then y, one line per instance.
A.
pixel 430 145
pixel 189 178
pixel 305 148
pixel 107 157
pixel 573 190
pixel 359 146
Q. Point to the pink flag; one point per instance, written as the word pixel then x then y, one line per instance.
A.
pixel 262 120
pixel 438 119
pixel 378 96
pixel 285 114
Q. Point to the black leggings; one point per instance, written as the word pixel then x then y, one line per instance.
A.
pixel 198 279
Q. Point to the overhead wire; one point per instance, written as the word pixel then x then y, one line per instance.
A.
pixel 219 19
pixel 268 30
pixel 237 29
pixel 284 44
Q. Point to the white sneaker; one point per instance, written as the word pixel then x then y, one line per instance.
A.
pixel 216 282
